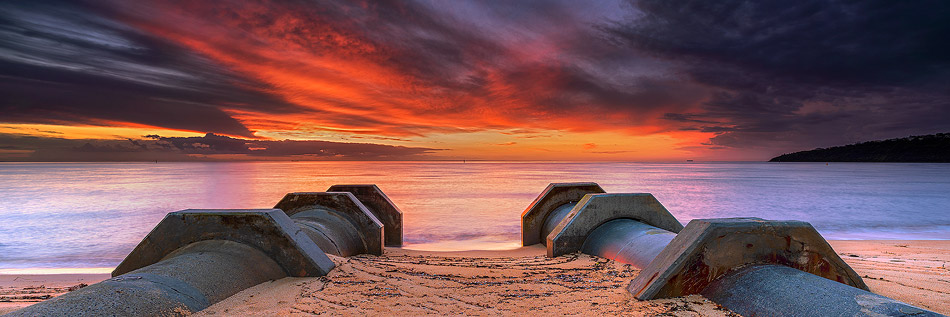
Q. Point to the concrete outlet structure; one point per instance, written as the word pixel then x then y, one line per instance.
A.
pixel 338 222
pixel 594 210
pixel 707 249
pixel 379 204
pixel 192 259
pixel 557 196
pixel 749 265
pixel 268 230
pixel 195 258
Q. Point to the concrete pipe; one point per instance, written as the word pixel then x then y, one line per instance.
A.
pixel 627 241
pixel 776 290
pixel 195 258
pixel 557 196
pixel 752 266
pixel 191 260
pixel 749 265
pixel 336 221
pixel 379 204
pixel 554 218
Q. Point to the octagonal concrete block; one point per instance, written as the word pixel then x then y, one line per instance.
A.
pixel 596 209
pixel 556 194
pixel 269 230
pixel 709 248
pixel 346 206
pixel 379 204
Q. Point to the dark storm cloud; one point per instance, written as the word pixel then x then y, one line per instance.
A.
pixel 803 73
pixel 773 75
pixel 217 144
pixel 64 62
pixel 856 42
pixel 588 74
pixel 208 147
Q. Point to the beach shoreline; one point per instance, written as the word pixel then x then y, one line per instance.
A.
pixel 515 282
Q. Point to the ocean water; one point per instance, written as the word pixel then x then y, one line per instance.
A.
pixel 61 217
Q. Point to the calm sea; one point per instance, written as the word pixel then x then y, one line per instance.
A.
pixel 90 215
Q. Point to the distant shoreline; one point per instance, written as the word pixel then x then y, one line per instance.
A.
pixel 933 148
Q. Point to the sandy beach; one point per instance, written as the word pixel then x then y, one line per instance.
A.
pixel 20 290
pixel 514 282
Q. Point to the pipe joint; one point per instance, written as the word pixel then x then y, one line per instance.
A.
pixel 337 220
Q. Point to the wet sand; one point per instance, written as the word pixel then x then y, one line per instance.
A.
pixel 26 289
pixel 520 281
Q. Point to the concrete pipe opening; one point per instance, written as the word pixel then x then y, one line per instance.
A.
pixel 188 280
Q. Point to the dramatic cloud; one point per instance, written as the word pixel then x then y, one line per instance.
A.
pixel 808 73
pixel 727 79
pixel 62 63
pixel 408 68
pixel 210 147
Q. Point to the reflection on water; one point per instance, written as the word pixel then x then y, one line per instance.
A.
pixel 68 215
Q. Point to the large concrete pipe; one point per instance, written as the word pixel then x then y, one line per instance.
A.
pixel 192 259
pixel 337 222
pixel 560 197
pixel 379 204
pixel 627 241
pixel 776 290
pixel 195 258
pixel 752 266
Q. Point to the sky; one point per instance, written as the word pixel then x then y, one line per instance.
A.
pixel 652 80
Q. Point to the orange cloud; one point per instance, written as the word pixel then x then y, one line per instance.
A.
pixel 345 75
pixel 553 80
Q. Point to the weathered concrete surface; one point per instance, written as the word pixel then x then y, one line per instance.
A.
pixel 554 218
pixel 776 290
pixel 594 210
pixel 556 194
pixel 709 248
pixel 627 241
pixel 268 230
pixel 187 280
pixel 379 204
pixel 320 211
pixel 330 230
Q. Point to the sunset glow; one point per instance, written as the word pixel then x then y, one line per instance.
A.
pixel 474 157
pixel 604 81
